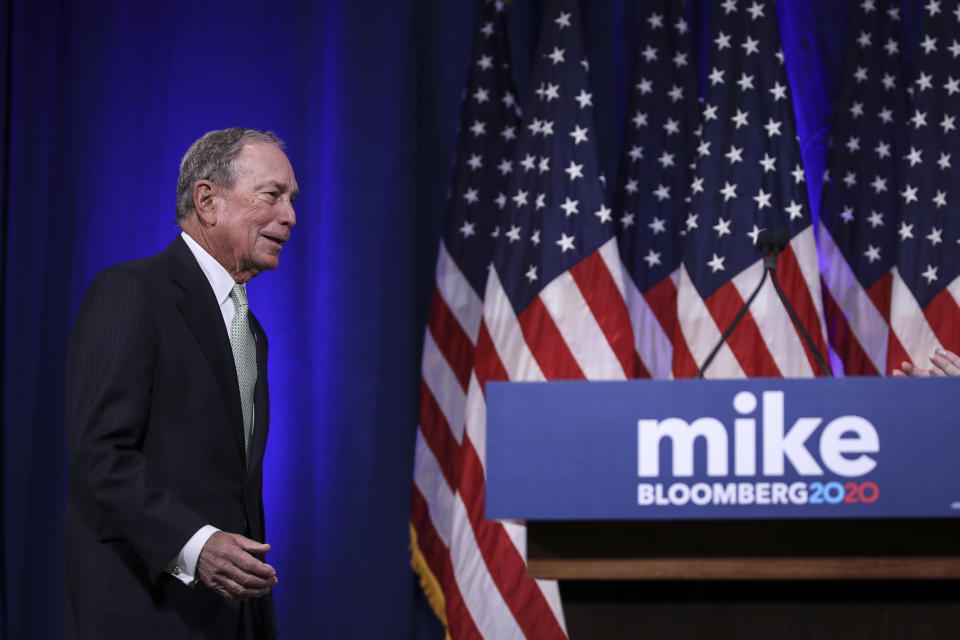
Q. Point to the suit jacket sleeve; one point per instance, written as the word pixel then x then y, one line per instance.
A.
pixel 110 362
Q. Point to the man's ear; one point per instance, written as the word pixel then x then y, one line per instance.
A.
pixel 204 201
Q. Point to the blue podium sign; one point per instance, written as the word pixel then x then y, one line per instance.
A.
pixel 723 449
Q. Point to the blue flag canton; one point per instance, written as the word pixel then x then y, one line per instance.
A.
pixel 861 200
pixel 652 195
pixel 486 144
pixel 555 213
pixel 749 175
pixel 929 234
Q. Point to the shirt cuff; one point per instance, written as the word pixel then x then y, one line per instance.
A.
pixel 184 566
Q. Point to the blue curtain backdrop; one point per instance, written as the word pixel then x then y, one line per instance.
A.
pixel 100 100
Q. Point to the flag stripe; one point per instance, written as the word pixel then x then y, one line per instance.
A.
pixel 437 435
pixel 909 323
pixel 506 336
pixel 942 314
pixel 844 340
pixel 463 302
pixel 548 346
pixel 443 385
pixel 699 331
pixel 746 342
pixel 449 336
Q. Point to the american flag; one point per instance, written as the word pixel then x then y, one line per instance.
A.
pixel 748 177
pixel 553 308
pixel 485 150
pixel 652 197
pixel 861 198
pixel 926 288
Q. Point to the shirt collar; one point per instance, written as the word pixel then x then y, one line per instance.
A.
pixel 219 278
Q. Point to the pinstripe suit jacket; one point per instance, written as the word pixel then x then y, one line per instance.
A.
pixel 155 436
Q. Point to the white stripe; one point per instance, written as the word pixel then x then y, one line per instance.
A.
pixel 481 596
pixel 477 420
pixel 909 323
pixel 444 385
pixel 579 328
pixel 462 300
pixel 773 322
pixel 701 333
pixel 804 247
pixel 650 340
pixel 863 318
pixel 551 593
pixel 434 489
pixel 610 253
pixel 504 330
pixel 954 289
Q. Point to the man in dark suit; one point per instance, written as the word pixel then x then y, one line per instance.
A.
pixel 167 414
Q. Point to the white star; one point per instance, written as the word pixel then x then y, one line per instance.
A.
pixel 952 86
pixel 655 20
pixel 892 47
pixel 745 82
pixel 940 199
pixel 769 163
pixel 853 144
pixel 639 119
pixel 919 119
pixel 495 233
pixel 604 213
pixel 879 184
pixel 652 258
pixel 579 134
pixel 883 149
pixel 680 59
pixel 755 11
pixel 563 20
pixel 894 13
pixel 574 170
pixel 860 74
pixel 886 115
pixel 729 6
pixel 513 234
pixel 762 199
pixel 947 123
pixel 675 93
pixel 954 48
pixel 716 263
pixel 671 126
pixel 905 231
pixel 547 128
pixel 779 92
pixel 508 100
pixel 875 219
pixel 681 26
pixel 933 7
pixel 723 41
pixel 468 229
pixel 665 160
pixel 631 186
pixel 735 155
pixel 847 214
pixel 662 192
pixel 487 29
pixel 709 112
pixel 485 62
pixel 740 119
pixel 535 238
pixel 856 110
pixel 716 77
pixel 704 148
pixel 521 198
pixel 753 234
pixel 691 222
pixel 478 128
pixel 531 273
pixel 931 273
pixel 536 126
pixel 794 210
pixel 636 153
pixel 481 95
pixel 509 133
pixel 929 44
pixel 471 196
pixel 850 179
pixel 657 225
pixel 750 46
pixel 909 194
pixel 556 55
pixel 541 201
pixel 867 6
pixel 626 220
pixel 528 163
pixel 864 40
pixel 570 207
pixel 925 81
pixel 872 253
pixel 501 200
pixel 565 243
pixel 772 127
pixel 935 236
pixel 649 53
pixel 544 165
pixel 474 162
pixel 944 161
pixel 552 92
pixel 729 191
pixel 797 174
pixel 645 86
pixel 914 157
pixel 889 81
pixel 585 99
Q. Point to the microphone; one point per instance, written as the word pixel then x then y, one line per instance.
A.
pixel 771 244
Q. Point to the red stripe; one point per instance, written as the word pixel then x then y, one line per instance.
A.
pixel 487 364
pixel 438 436
pixel 943 315
pixel 746 342
pixel 662 298
pixel 844 340
pixel 880 292
pixel 459 622
pixel 450 337
pixel 797 292
pixel 548 346
pixel 505 565
pixel 608 307
pixel 896 354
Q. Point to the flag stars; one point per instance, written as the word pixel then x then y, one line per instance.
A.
pixel 570 207
pixel 481 95
pixel 935 236
pixel 501 200
pixel 868 6
pixel 930 274
pixel 909 194
pixel 662 192
pixel 631 186
pixel 541 201
pixel 563 20
pixel 478 128
pixel 626 220
pixel 929 44
pixel 487 29
pixel 639 119
pixel 914 157
pixel 879 184
pixel 739 119
pixel 636 153
pixel 889 81
pixel 768 163
pixel 574 170
pixel 657 225
pixel 584 99
pixel 755 10
pixel 652 258
pixel 604 213
pixel 856 110
pixel 875 219
pixel 729 191
pixel 544 165
pixel 681 26
pixel 680 60
pixel 716 77
pixel 865 40
pixel 925 81
pixel 531 274
pixel 565 243
pixel 952 86
pixel 529 162
pixel 556 56
pixel 847 214
pixel 729 6
pixel 649 53
pixel 691 222
pixel 853 144
pixel 779 92
pixel 944 161
pixel 772 127
pixel 886 114
pixel 655 20
pixel 645 86
pixel 745 82
pixel 882 149
pixel 513 234
pixel 750 46
pixel 697 185
pixel 548 91
pixel 872 253
pixel 671 126
pixel 850 179
pixel 535 238
pixel 735 154
pixel 716 263
pixel 753 234
pixel 947 124
pixel 762 199
pixel 485 62
pixel 521 198
pixel 940 199
pixel 933 7
pixel 579 134
pixel 675 93
pixel 666 160
pixel 474 162
pixel 797 174
pixel 954 48
pixel 703 149
pixel 722 41
pixel 709 112
pixel 892 47
pixel 794 210
pixel 860 75
pixel 905 231
pixel 468 229
pixel 471 196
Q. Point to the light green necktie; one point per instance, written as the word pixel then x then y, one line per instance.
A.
pixel 244 357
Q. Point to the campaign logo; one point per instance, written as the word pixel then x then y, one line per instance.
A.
pixel 844 447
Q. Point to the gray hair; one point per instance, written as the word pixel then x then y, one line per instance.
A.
pixel 214 157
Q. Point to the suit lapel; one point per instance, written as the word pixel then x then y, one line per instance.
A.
pixel 261 407
pixel 199 308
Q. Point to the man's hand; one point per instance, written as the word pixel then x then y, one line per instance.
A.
pixel 945 363
pixel 227 566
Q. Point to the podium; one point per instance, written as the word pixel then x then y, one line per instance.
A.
pixel 736 508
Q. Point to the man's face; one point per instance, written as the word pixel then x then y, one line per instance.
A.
pixel 255 217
